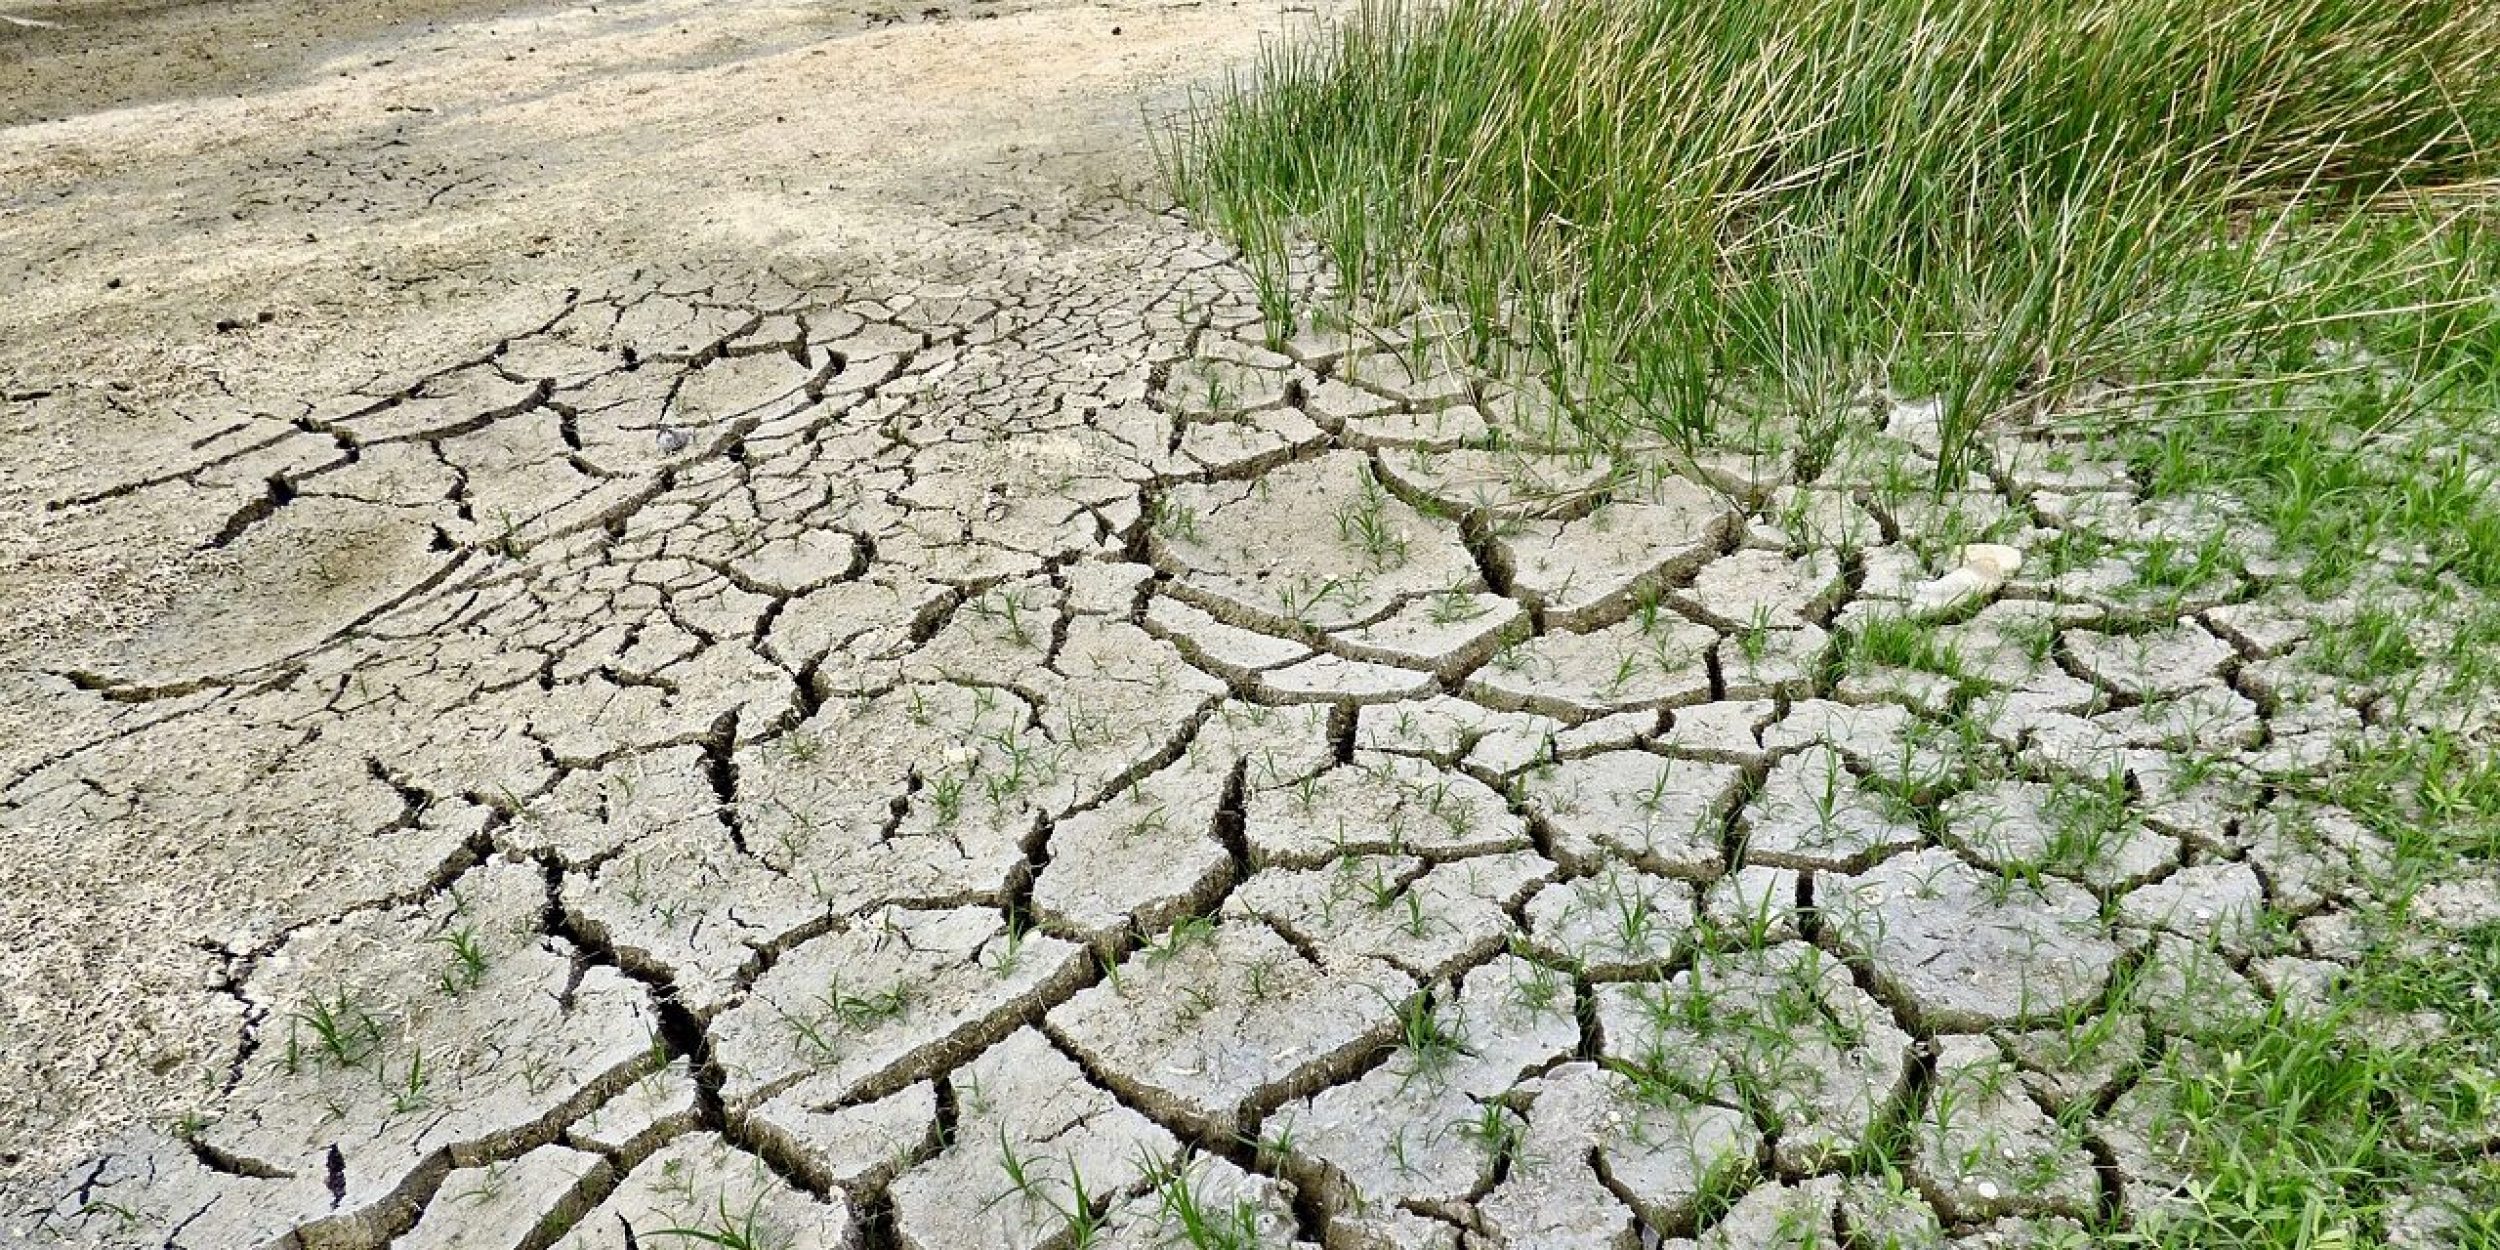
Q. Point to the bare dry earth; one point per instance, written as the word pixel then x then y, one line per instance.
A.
pixel 249 214
pixel 700 617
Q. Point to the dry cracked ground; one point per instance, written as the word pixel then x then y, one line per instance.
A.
pixel 666 624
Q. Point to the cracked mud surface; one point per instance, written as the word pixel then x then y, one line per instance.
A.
pixel 899 717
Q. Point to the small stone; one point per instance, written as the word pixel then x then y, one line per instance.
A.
pixel 1979 570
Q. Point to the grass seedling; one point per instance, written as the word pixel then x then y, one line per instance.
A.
pixel 1021 1181
pixel 409 1095
pixel 801 747
pixel 1202 1225
pixel 946 797
pixel 468 959
pixel 729 1228
pixel 343 1031
pixel 1083 1214
pixel 1415 922
pixel 1008 951
pixel 1186 932
pixel 1634 912
pixel 1454 607
pixel 1429 1042
pixel 1494 1129
pixel 1754 641
pixel 1902 642
pixel 1541 990
pixel 838 1011
pixel 1363 524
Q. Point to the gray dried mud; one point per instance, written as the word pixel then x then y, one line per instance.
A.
pixel 726 625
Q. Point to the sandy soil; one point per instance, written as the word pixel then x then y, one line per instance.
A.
pixel 64 58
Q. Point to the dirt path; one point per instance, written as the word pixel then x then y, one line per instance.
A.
pixel 66 58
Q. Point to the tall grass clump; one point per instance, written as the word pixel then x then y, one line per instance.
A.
pixel 2251 245
pixel 1683 209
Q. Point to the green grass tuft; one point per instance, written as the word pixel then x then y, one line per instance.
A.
pixel 2265 226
